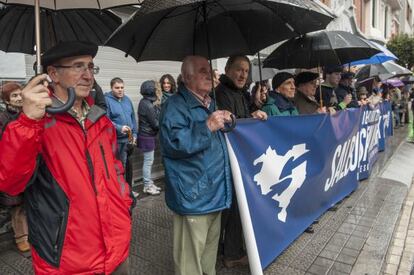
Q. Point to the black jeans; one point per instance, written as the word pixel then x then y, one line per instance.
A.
pixel 231 232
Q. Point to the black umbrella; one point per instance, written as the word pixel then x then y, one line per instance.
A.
pixel 18 32
pixel 61 5
pixel 384 71
pixel 165 30
pixel 323 48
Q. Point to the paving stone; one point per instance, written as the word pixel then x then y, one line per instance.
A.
pixel 355 243
pixel 346 259
pixel 394 259
pixel 329 254
pixel 391 269
pixel 323 262
pixel 341 267
pixel 317 269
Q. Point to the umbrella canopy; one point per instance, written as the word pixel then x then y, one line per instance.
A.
pixel 383 56
pixel 92 26
pixel 394 82
pixel 77 4
pixel 164 30
pixel 408 79
pixel 384 71
pixel 321 48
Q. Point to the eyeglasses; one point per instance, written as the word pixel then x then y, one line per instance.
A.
pixel 80 68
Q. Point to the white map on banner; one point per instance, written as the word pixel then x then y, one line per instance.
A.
pixel 271 172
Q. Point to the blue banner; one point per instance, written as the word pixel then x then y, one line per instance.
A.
pixel 369 145
pixel 288 171
pixel 385 125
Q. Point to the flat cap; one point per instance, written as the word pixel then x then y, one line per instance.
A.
pixel 67 49
pixel 305 77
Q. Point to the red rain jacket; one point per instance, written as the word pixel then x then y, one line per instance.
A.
pixel 77 201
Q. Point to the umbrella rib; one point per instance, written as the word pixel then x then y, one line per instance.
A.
pixel 336 55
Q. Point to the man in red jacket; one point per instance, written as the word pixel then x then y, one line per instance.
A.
pixel 77 201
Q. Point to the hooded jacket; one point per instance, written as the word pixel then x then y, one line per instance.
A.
pixel 77 201
pixel 148 113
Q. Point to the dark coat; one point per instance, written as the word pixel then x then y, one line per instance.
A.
pixel 148 115
pixel 233 99
pixel 342 90
pixel 305 104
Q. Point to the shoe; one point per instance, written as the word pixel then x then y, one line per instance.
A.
pixel 150 190
pixel 333 208
pixel 156 187
pixel 23 246
pixel 135 194
pixel 243 261
pixel 310 230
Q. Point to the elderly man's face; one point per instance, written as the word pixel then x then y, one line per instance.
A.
pixel 238 72
pixel 309 88
pixel 66 74
pixel 287 88
pixel 200 81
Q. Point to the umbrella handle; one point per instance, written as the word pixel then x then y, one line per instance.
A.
pixel 229 126
pixel 65 107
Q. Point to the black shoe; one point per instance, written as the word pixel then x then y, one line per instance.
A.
pixel 333 208
pixel 310 230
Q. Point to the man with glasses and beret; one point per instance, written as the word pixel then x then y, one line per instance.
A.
pixel 77 201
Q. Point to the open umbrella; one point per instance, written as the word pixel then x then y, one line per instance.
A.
pixel 165 30
pixel 383 56
pixel 322 48
pixel 394 82
pixel 58 5
pixel 384 71
pixel 92 26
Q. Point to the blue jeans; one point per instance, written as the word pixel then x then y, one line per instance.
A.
pixel 147 167
pixel 122 150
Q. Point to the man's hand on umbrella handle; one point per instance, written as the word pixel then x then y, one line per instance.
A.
pixel 36 98
pixel 259 114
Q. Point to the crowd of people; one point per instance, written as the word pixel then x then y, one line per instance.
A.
pixel 75 168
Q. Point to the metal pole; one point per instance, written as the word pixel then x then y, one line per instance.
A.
pixel 320 88
pixel 260 67
pixel 209 54
pixel 37 33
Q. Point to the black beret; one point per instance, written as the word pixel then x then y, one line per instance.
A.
pixel 347 75
pixel 333 69
pixel 67 49
pixel 305 77
pixel 279 78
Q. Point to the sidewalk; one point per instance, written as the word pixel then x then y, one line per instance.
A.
pixel 352 240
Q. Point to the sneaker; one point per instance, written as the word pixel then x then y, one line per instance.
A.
pixel 156 187
pixel 151 190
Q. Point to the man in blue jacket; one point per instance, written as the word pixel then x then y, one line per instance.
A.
pixel 121 112
pixel 197 169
